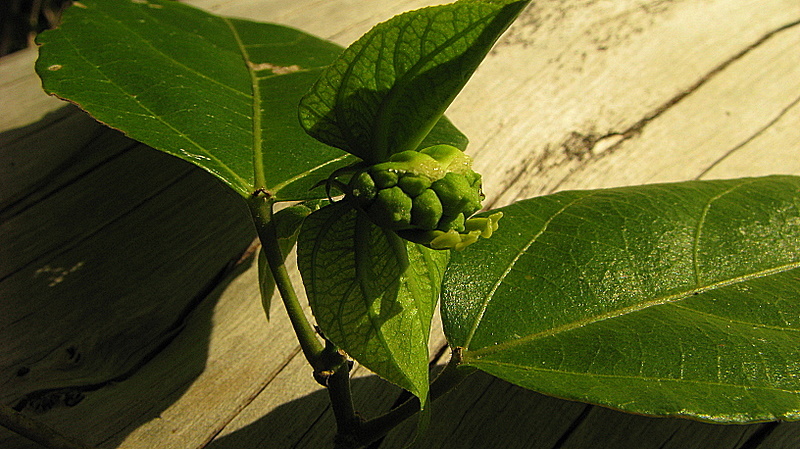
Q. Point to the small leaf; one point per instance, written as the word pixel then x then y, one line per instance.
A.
pixel 388 89
pixel 287 226
pixel 266 282
pixel 372 293
pixel 674 299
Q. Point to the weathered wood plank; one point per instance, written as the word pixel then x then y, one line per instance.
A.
pixel 569 89
pixel 779 436
pixel 29 161
pixel 634 72
pixel 21 100
pixel 100 269
pixel 575 96
pixel 729 116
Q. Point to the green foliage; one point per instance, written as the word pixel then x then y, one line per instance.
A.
pixel 218 92
pixel 388 89
pixel 379 101
pixel 673 299
pixel 427 196
pixel 372 293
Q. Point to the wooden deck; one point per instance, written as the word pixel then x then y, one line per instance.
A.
pixel 130 310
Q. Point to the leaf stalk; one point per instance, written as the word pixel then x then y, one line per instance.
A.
pixel 448 379
pixel 261 208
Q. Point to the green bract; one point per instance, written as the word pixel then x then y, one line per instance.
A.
pixel 427 196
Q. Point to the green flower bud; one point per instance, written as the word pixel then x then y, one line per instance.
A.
pixel 413 184
pixel 384 179
pixel 457 195
pixel 486 225
pixel 426 210
pixel 391 208
pixel 363 188
pixel 452 239
pixel 452 223
pixel 474 180
pixel 450 159
pixel 426 196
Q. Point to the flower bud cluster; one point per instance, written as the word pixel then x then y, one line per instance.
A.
pixel 426 196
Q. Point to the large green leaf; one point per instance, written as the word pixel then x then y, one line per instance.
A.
pixel 372 293
pixel 221 93
pixel 388 89
pixel 674 299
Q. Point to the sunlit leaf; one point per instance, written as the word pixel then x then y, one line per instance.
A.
pixel 388 89
pixel 221 93
pixel 674 299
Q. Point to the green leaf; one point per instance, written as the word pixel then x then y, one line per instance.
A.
pixel 266 282
pixel 219 92
pixel 190 83
pixel 674 299
pixel 388 89
pixel 372 293
pixel 287 227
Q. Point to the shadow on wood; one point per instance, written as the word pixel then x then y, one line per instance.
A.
pixel 486 412
pixel 107 247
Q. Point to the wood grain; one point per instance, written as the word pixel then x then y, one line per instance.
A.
pixel 576 95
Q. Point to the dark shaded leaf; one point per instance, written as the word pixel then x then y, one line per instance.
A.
pixel 372 293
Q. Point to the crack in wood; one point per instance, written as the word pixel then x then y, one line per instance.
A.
pixel 668 440
pixel 587 148
pixel 573 426
pixel 637 127
pixel 753 137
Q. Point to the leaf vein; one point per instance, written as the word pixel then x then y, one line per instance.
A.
pixel 488 298
pixel 701 222
pixel 206 152
pixel 259 179
pixel 170 58
pixel 625 376
pixel 630 309
pixel 731 320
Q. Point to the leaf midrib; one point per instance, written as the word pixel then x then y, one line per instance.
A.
pixel 630 376
pixel 243 184
pixel 388 104
pixel 259 178
pixel 363 275
pixel 356 285
pixel 631 309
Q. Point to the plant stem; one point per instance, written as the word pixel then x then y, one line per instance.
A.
pixel 450 377
pixel 348 421
pixel 261 209
pixel 35 430
pixel 331 368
